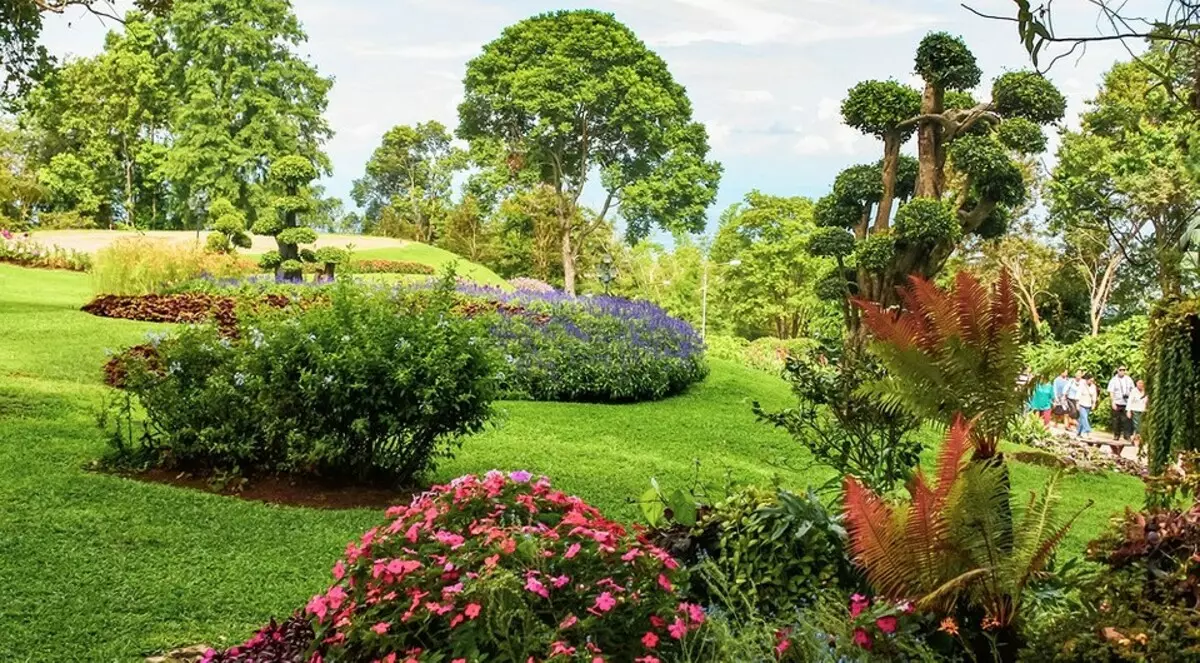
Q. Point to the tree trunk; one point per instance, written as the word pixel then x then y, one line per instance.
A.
pixel 288 251
pixel 891 164
pixel 929 144
pixel 568 260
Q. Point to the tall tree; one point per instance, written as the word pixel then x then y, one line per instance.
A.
pixel 771 290
pixel 1031 262
pixel 246 99
pixel 965 181
pixel 411 173
pixel 1129 170
pixel 573 94
pixel 112 112
pixel 20 190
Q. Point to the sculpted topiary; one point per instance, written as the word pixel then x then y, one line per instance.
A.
pixel 292 174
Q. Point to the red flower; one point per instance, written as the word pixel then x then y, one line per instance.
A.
pixel 862 638
pixel 858 603
pixel 887 624
pixel 650 640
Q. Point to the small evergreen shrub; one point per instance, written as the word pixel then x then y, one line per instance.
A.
pixel 348 390
pixel 503 569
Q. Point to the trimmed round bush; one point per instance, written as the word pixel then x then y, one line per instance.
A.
pixel 927 221
pixel 1022 136
pixel 299 235
pixel 592 349
pixel 875 253
pixel 497 568
pixel 944 60
pixel 1029 95
pixel 346 389
pixel 269 224
pixel 831 243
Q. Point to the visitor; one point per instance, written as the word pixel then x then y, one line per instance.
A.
pixel 1119 389
pixel 1137 409
pixel 1086 395
pixel 1060 397
pixel 1042 401
pixel 1073 389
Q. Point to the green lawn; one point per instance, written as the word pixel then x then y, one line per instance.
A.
pixel 98 568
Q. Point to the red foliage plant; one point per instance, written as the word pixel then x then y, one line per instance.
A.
pixel 952 351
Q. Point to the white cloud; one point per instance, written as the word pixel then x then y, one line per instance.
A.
pixel 436 51
pixel 812 145
pixel 828 109
pixel 751 96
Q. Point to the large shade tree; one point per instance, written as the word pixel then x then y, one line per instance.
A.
pixel 966 180
pixel 576 97
pixel 410 177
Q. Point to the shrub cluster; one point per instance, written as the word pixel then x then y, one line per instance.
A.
pixel 390 267
pixel 22 250
pixel 349 390
pixel 499 568
pixel 766 354
pixel 592 349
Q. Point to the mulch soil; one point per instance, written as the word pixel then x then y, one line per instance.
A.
pixel 286 491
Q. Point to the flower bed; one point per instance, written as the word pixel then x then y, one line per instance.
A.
pixel 592 349
pixel 181 308
pixel 389 267
pixel 498 568
pixel 22 250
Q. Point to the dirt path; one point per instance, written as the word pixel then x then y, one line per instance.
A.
pixel 91 241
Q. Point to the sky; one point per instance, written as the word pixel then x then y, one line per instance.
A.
pixel 765 76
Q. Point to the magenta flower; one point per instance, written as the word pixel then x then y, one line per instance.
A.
pixel 863 639
pixel 677 629
pixel 381 628
pixel 858 603
pixel 605 602
pixel 650 640
pixel 534 585
pixel 520 476
pixel 888 624
pixel 572 551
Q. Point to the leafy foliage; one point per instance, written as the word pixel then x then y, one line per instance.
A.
pixel 926 221
pixel 349 390
pixel 950 353
pixel 777 549
pixel 945 61
pixel 24 251
pixel 879 107
pixel 1029 95
pixel 1173 378
pixel 465 566
pixel 946 547
pixel 843 430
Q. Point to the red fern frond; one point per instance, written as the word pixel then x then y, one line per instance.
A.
pixel 934 311
pixel 874 541
pixel 1005 314
pixel 953 453
pixel 972 307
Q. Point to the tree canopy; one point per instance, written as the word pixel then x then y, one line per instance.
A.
pixel 572 95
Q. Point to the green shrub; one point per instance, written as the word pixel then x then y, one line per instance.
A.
pixel 767 354
pixel 139 266
pixel 779 549
pixel 349 390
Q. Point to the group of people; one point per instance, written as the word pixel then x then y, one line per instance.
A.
pixel 1070 401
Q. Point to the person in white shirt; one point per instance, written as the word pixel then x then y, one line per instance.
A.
pixel 1119 389
pixel 1137 409
pixel 1087 396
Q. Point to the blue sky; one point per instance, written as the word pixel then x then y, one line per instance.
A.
pixel 766 76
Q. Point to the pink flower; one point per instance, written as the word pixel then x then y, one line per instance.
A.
pixel 339 570
pixel 572 551
pixel 604 602
pixel 335 596
pixel 489 562
pixel 906 607
pixel 782 647
pixel 567 623
pixel 560 582
pixel 381 628
pixel 413 532
pixel 694 612
pixel 650 640
pixel 472 610
pixel 887 624
pixel 647 659
pixel 520 476
pixel 561 648
pixel 534 585
pixel 317 607
pixel 453 589
pixel 858 603
pixel 677 629
pixel 459 660
pixel 862 638
pixel 657 622
pixel 665 583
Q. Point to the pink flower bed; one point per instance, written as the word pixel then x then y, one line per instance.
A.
pixel 499 568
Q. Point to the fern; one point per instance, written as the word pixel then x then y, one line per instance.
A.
pixel 949 352
pixel 953 538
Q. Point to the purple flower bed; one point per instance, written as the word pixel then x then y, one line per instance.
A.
pixel 591 349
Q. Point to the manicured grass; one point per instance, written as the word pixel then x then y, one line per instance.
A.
pixel 99 568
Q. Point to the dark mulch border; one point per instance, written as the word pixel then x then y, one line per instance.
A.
pixel 285 491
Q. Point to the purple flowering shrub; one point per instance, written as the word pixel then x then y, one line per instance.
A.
pixel 503 569
pixel 592 349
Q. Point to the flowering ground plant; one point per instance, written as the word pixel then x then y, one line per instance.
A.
pixel 501 568
pixel 21 249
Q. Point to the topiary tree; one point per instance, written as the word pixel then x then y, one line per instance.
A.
pixel 292 174
pixel 228 227
pixel 965 180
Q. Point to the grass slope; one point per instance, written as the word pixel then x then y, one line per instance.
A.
pixel 100 568
pixel 436 258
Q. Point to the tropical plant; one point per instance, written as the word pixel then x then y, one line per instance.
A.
pixel 948 548
pixel 1173 379
pixel 951 352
